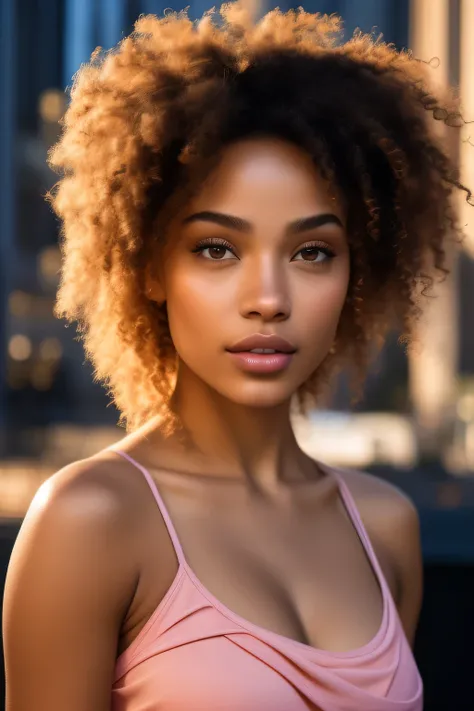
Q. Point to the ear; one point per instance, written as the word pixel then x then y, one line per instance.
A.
pixel 153 287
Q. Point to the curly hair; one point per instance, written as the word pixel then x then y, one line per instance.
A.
pixel 148 121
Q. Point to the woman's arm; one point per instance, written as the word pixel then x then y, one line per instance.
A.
pixel 407 552
pixel 70 580
pixel 392 523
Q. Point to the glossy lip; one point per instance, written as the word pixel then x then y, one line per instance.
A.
pixel 259 340
pixel 261 362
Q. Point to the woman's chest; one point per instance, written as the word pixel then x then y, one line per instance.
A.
pixel 300 572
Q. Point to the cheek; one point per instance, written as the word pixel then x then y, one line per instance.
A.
pixel 196 305
pixel 321 308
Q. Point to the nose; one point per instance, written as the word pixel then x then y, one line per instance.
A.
pixel 264 292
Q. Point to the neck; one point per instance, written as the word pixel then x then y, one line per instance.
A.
pixel 256 444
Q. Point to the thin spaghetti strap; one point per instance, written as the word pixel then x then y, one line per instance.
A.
pixel 161 504
pixel 354 515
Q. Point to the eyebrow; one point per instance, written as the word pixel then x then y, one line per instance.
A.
pixel 237 223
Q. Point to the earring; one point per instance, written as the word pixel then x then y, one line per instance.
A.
pixel 333 349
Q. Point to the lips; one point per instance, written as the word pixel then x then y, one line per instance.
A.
pixel 259 340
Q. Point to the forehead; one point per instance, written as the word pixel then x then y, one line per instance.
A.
pixel 266 176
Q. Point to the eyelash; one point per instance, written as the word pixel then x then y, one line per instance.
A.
pixel 215 242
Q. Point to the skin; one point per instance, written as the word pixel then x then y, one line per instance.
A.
pixel 261 523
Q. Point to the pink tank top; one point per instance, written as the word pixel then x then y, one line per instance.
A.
pixel 194 654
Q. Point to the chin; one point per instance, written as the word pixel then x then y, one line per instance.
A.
pixel 266 395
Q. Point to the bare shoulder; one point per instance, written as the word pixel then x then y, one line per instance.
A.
pixel 95 502
pixel 388 513
pixel 72 574
pixel 86 506
pixel 377 499
pixel 393 525
pixel 95 492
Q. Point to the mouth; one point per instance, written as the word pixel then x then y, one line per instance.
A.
pixel 261 360
pixel 260 344
pixel 260 351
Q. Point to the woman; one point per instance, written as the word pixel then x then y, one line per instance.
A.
pixel 245 208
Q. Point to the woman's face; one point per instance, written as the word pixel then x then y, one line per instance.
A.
pixel 260 249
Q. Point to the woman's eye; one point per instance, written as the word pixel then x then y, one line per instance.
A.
pixel 314 255
pixel 215 252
